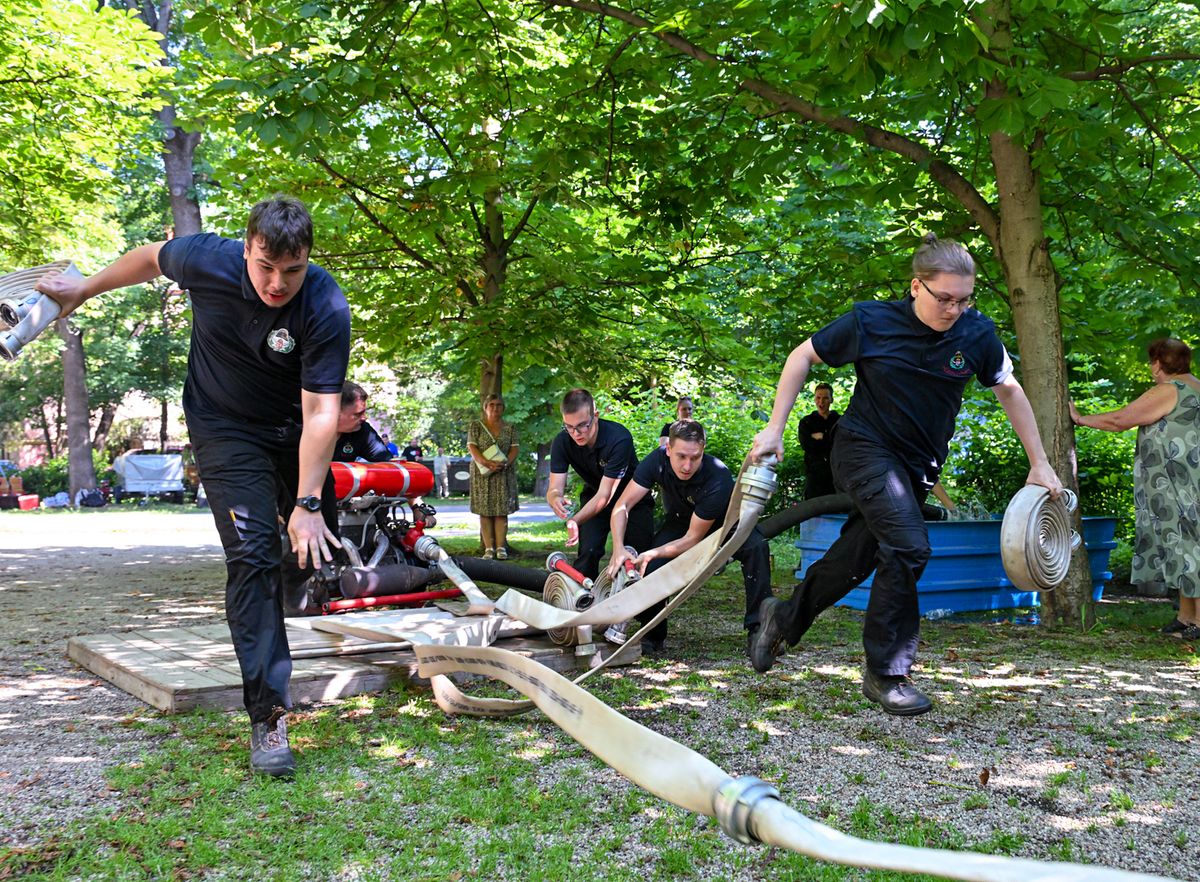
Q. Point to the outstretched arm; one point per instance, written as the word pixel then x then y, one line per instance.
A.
pixel 1020 414
pixel 1150 407
pixel 132 268
pixel 791 381
pixel 310 536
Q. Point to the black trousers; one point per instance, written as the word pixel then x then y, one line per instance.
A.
pixel 754 556
pixel 594 532
pixel 885 533
pixel 250 485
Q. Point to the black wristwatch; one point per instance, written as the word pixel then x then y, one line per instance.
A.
pixel 309 503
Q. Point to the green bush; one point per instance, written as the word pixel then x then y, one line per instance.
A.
pixel 52 475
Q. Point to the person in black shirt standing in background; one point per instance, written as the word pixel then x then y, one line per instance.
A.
pixel 696 488
pixel 602 454
pixel 816 440
pixel 357 439
pixel 912 359
pixel 269 349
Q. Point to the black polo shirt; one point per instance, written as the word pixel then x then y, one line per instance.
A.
pixel 705 495
pixel 816 450
pixel 910 378
pixel 248 361
pixel 363 443
pixel 612 456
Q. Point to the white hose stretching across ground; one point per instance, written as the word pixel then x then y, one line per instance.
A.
pixel 748 809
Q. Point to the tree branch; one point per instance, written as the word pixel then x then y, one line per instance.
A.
pixel 940 170
pixel 1109 70
pixel 1158 133
pixel 520 225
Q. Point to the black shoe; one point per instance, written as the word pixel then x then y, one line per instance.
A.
pixel 750 640
pixel 767 642
pixel 1174 628
pixel 270 753
pixel 1191 633
pixel 896 695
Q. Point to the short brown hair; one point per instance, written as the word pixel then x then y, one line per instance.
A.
pixel 578 399
pixel 283 224
pixel 1173 356
pixel 686 430
pixel 352 393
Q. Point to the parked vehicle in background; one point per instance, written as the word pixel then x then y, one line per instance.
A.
pixel 149 474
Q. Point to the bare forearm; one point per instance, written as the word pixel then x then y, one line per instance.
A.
pixel 132 268
pixel 316 449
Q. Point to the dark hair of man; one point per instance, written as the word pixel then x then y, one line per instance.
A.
pixel 577 400
pixel 1173 356
pixel 352 393
pixel 935 256
pixel 824 386
pixel 686 430
pixel 283 226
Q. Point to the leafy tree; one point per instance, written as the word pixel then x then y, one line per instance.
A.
pixel 1052 129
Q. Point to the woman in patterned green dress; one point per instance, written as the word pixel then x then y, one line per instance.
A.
pixel 1166 478
pixel 493 447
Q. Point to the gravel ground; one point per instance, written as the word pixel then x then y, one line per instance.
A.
pixel 1085 762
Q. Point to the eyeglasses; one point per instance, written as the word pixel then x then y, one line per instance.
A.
pixel 581 428
pixel 945 302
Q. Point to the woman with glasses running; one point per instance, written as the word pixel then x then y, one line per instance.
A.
pixel 492 444
pixel 912 360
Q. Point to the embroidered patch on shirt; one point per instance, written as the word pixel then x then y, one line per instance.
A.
pixel 281 341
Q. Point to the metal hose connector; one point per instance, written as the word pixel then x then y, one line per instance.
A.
pixel 1036 538
pixel 734 803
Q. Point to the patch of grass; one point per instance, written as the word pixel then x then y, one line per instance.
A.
pixel 1120 801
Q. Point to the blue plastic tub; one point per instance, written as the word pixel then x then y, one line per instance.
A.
pixel 965 572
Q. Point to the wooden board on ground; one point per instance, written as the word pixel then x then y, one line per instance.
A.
pixel 177 669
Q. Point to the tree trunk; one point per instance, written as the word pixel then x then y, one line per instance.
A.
pixel 541 483
pixel 163 432
pixel 1032 284
pixel 491 376
pixel 103 426
pixel 81 472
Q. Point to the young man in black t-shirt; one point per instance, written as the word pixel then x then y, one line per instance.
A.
pixel 695 491
pixel 269 349
pixel 912 359
pixel 816 440
pixel 357 439
pixel 601 452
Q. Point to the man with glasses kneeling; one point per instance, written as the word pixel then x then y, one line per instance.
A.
pixel 603 455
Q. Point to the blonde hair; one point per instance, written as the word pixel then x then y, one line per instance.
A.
pixel 935 256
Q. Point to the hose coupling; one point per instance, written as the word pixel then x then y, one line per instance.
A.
pixel 736 800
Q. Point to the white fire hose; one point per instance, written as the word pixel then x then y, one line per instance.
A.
pixel 25 311
pixel 1036 539
pixel 747 808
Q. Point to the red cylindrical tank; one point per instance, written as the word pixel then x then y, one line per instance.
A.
pixel 393 478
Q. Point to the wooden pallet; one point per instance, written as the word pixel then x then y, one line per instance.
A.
pixel 177 669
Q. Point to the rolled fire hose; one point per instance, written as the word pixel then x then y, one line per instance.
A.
pixel 1036 538
pixel 747 808
pixel 563 592
pixel 25 311
pixel 681 577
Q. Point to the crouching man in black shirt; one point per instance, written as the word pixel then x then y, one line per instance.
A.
pixel 602 454
pixel 357 439
pixel 696 488
pixel 269 349
pixel 912 359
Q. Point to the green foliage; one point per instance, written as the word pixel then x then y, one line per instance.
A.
pixel 51 476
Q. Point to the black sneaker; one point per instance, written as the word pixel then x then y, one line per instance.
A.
pixel 767 642
pixel 1174 628
pixel 1190 633
pixel 896 695
pixel 270 753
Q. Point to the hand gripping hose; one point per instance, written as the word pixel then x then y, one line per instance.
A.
pixel 678 580
pixel 1036 539
pixel 747 808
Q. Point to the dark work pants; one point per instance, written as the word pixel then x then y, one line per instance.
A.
pixel 754 556
pixel 593 534
pixel 885 533
pixel 250 485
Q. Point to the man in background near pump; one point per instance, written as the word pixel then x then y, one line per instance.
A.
pixel 357 439
pixel 602 454
pixel 441 473
pixel 912 359
pixel 269 349
pixel 413 452
pixel 696 489
pixel 816 440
